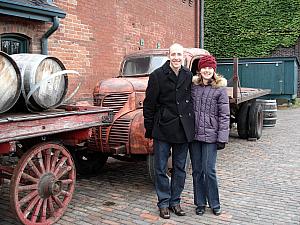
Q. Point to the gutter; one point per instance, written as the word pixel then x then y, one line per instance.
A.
pixel 44 40
pixel 46 11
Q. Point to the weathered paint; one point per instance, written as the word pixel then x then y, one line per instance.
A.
pixel 125 95
pixel 10 82
pixel 43 184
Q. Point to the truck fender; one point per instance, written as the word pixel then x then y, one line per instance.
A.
pixel 138 144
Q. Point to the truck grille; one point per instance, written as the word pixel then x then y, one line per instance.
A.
pixel 97 142
pixel 119 133
pixel 115 101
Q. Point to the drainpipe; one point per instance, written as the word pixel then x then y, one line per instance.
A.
pixel 45 37
pixel 201 23
pixel 197 23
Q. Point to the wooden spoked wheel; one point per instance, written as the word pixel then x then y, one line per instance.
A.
pixel 43 183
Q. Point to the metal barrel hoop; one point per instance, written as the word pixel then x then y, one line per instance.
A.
pixel 59 73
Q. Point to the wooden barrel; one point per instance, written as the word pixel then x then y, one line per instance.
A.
pixel 43 86
pixel 269 111
pixel 10 82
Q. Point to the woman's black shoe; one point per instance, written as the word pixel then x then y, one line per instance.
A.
pixel 200 210
pixel 217 211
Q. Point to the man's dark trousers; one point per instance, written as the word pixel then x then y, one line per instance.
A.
pixel 169 195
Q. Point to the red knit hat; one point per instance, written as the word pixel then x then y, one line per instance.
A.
pixel 207 61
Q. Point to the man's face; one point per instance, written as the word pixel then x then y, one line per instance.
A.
pixel 176 56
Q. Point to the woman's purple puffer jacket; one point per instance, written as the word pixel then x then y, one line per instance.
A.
pixel 212 114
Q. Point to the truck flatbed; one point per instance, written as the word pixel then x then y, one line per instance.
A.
pixel 17 126
pixel 246 94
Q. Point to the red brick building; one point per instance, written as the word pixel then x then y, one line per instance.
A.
pixel 93 36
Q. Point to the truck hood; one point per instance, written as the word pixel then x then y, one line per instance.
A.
pixel 121 84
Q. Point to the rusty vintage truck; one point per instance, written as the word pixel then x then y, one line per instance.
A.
pixel 124 139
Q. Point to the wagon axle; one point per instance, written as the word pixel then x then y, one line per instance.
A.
pixel 49 186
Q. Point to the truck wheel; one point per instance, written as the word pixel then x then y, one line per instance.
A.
pixel 88 162
pixel 242 121
pixel 255 120
pixel 150 166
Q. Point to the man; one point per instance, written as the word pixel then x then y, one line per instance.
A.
pixel 169 120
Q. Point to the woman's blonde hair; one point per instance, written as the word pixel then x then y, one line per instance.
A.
pixel 217 80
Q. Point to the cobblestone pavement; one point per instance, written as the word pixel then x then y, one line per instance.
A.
pixel 259 184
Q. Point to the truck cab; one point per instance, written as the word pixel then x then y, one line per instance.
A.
pixel 124 139
pixel 125 95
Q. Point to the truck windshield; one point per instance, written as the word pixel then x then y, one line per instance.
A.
pixel 143 64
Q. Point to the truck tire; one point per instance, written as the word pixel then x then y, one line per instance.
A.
pixel 255 120
pixel 88 162
pixel 150 166
pixel 242 121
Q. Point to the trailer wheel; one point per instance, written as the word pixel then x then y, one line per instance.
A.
pixel 42 184
pixel 150 166
pixel 242 121
pixel 255 120
pixel 89 163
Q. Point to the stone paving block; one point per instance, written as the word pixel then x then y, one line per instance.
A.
pixel 259 185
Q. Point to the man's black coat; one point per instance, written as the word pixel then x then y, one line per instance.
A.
pixel 168 110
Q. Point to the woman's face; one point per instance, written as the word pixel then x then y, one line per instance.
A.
pixel 207 73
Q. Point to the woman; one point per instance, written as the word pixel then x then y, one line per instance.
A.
pixel 212 115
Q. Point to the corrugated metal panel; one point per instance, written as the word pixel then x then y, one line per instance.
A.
pixel 280 74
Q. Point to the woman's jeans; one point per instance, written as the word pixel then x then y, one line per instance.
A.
pixel 203 157
pixel 169 194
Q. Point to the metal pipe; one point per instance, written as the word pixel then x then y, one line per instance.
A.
pixel 201 23
pixel 197 23
pixel 44 40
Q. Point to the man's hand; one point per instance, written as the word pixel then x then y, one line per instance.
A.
pixel 148 134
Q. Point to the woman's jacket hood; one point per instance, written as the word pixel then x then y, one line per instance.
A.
pixel 220 81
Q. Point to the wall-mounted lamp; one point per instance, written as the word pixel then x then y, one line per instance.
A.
pixel 142 42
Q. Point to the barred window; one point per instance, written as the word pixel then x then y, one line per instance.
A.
pixel 14 43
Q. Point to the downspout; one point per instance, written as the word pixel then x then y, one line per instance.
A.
pixel 201 23
pixel 197 23
pixel 45 37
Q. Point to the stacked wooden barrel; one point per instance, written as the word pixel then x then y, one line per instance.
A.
pixel 39 78
pixel 10 82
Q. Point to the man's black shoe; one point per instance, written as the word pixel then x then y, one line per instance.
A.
pixel 177 210
pixel 164 213
pixel 200 210
pixel 217 211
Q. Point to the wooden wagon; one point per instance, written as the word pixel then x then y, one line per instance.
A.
pixel 35 157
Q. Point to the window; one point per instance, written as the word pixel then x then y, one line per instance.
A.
pixel 13 44
pixel 143 65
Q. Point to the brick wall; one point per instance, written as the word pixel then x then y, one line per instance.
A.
pixel 99 36
pixel 29 28
pixel 94 36
pixel 292 51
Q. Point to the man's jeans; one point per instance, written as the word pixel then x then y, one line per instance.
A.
pixel 203 157
pixel 169 195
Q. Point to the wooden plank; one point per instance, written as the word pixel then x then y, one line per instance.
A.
pixel 16 127
pixel 246 94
